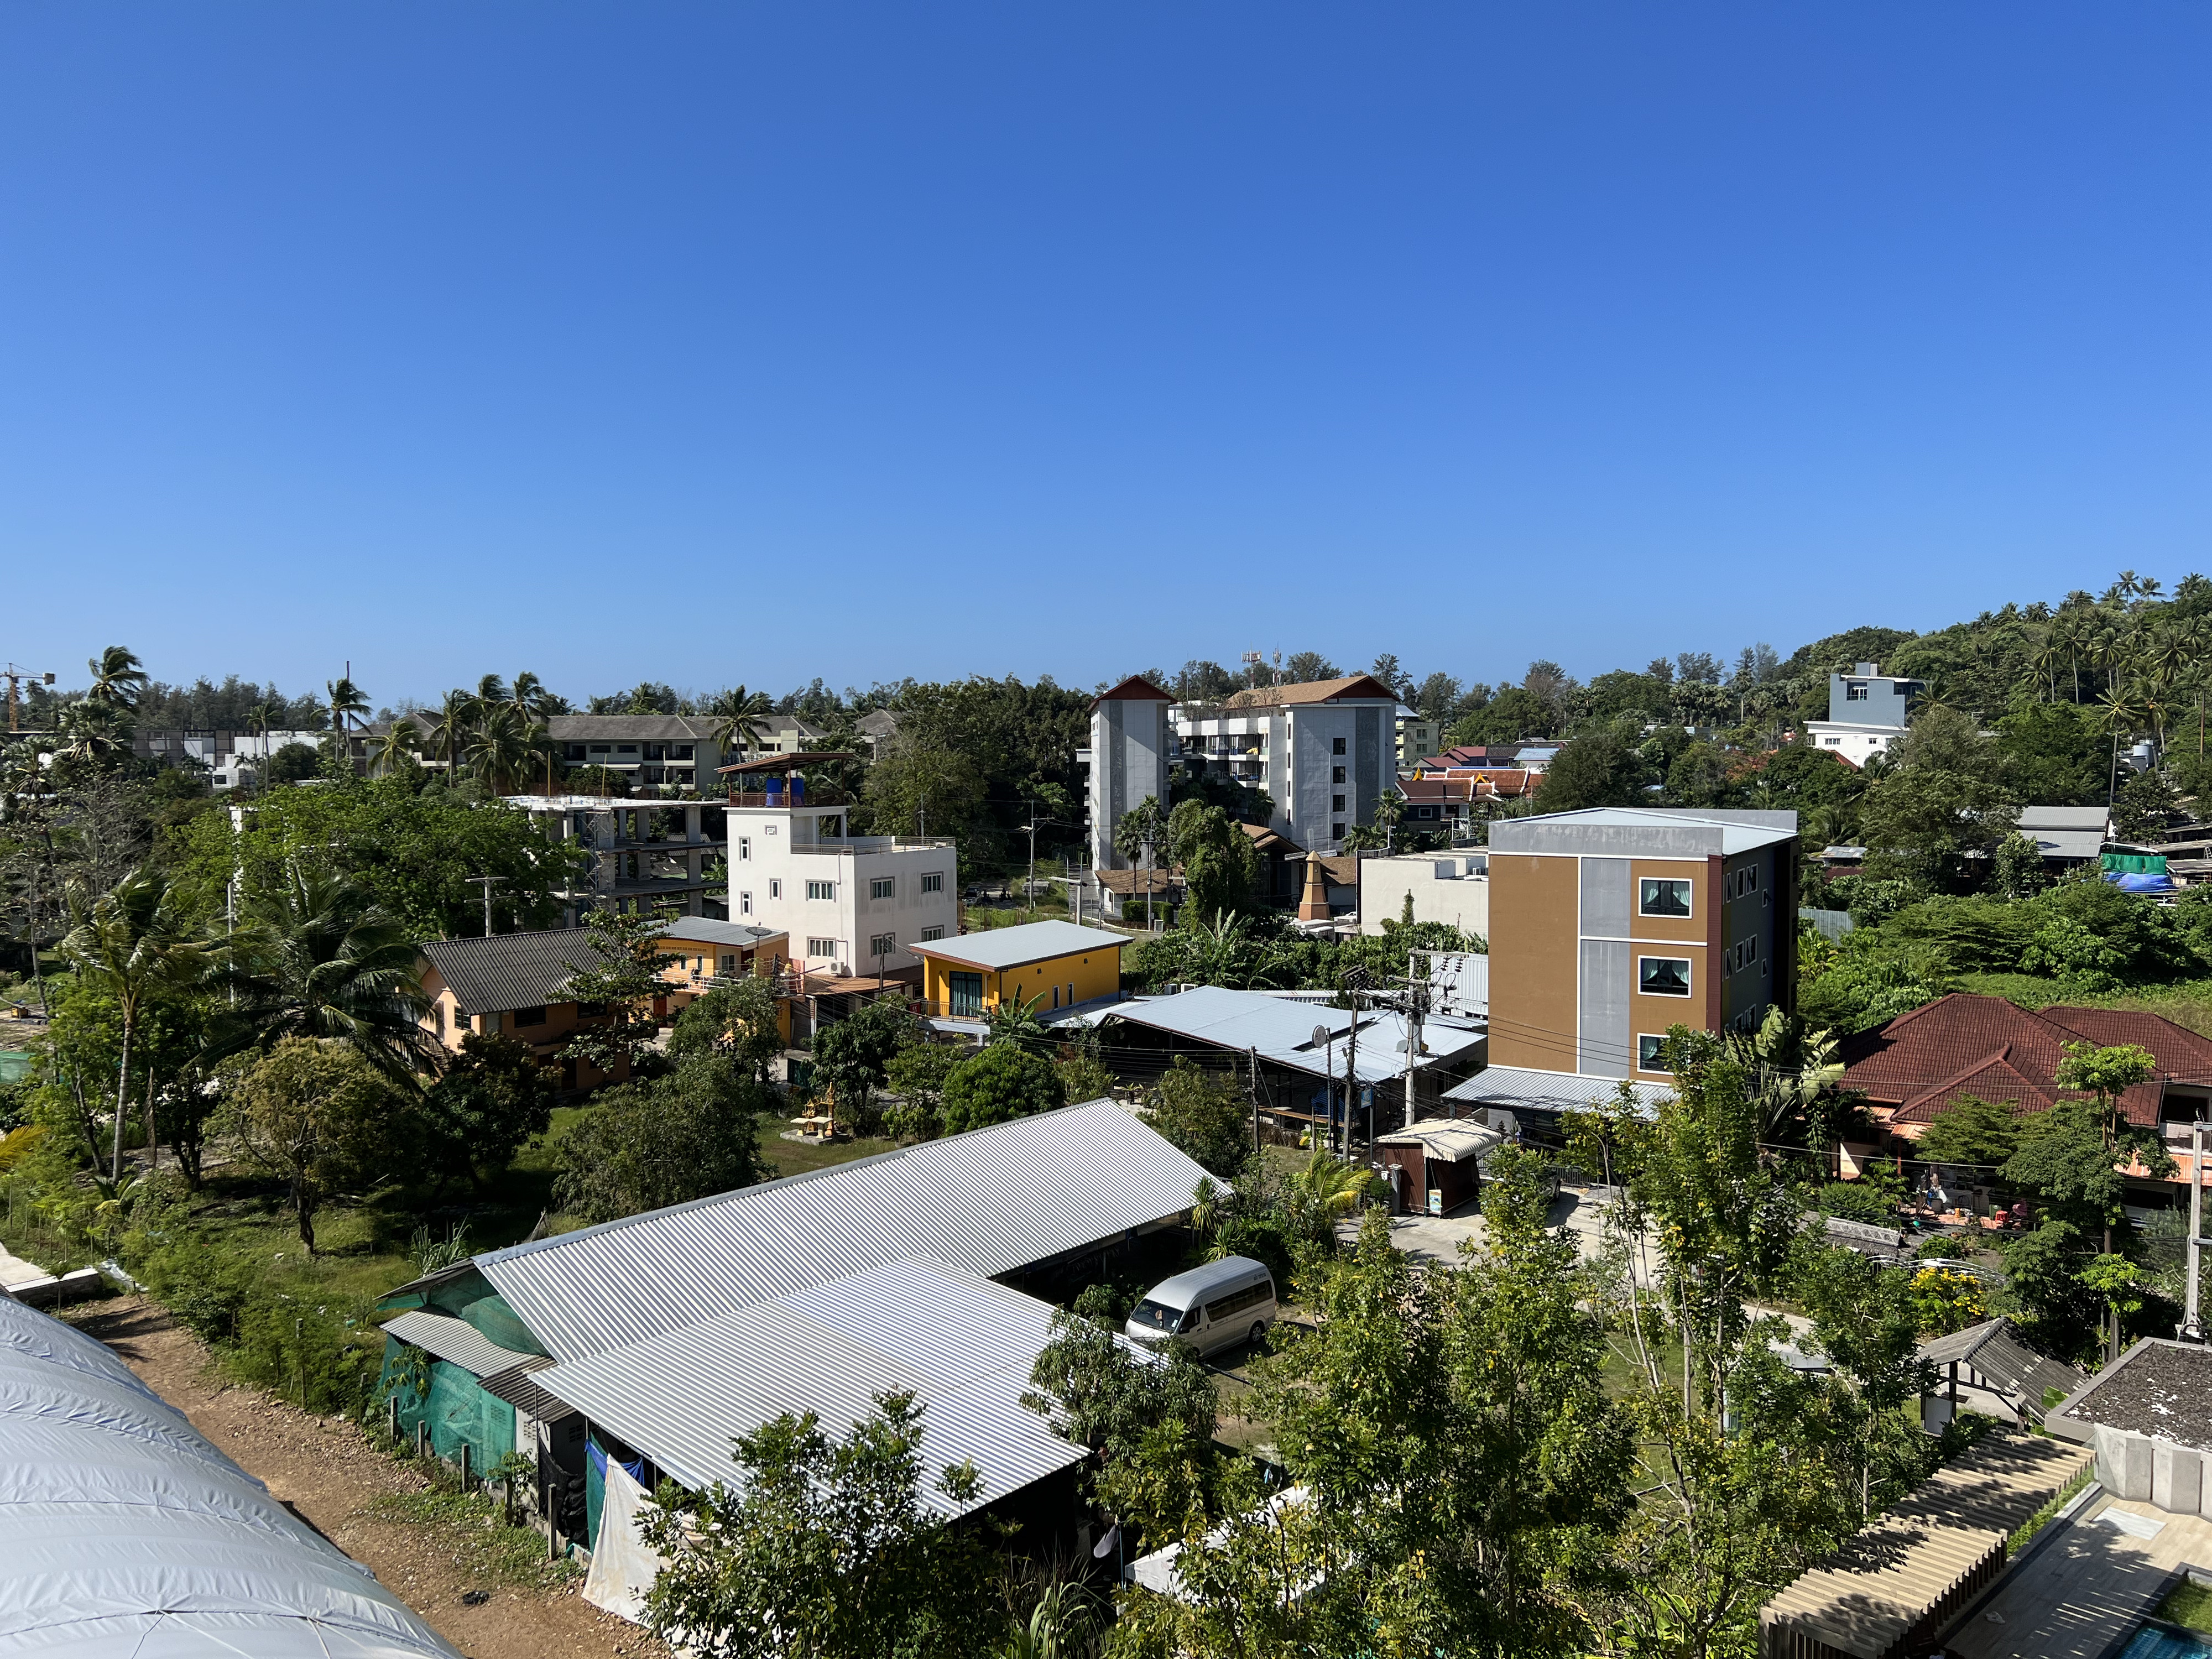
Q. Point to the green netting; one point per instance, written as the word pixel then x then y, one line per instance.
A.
pixel 492 1316
pixel 2136 864
pixel 457 1411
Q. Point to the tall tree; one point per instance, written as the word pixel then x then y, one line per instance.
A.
pixel 321 1117
pixel 136 941
pixel 118 679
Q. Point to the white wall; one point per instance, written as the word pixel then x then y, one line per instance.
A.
pixel 775 852
pixel 1463 900
pixel 1129 749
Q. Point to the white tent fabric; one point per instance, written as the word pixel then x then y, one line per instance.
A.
pixel 123 1533
pixel 623 1566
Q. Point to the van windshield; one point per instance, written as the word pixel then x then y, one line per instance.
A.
pixel 1158 1316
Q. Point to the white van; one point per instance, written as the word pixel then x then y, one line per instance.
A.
pixel 1216 1306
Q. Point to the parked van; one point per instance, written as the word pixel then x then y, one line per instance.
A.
pixel 1216 1306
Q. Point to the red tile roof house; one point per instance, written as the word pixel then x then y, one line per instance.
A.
pixel 1910 1069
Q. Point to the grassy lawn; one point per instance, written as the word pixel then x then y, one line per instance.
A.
pixel 2190 1605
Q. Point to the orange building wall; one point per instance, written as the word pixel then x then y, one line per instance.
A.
pixel 1534 906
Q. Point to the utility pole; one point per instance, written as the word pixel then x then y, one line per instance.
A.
pixel 2192 1322
pixel 486 882
pixel 1252 1060
pixel 1417 1008
pixel 1148 881
pixel 1351 1076
pixel 16 677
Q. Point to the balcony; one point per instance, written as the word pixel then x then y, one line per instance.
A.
pixel 814 795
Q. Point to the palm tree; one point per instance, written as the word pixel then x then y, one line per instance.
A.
pixel 402 740
pixel 491 691
pixel 95 731
pixel 537 742
pixel 135 942
pixel 498 748
pixel 449 728
pixel 117 677
pixel 737 716
pixel 347 704
pixel 2046 659
pixel 532 700
pixel 316 955
pixel 1327 1187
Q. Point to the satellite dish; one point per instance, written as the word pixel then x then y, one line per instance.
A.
pixel 1320 1037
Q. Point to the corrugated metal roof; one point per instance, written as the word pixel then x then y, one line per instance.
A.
pixel 962 1346
pixel 1623 829
pixel 997 948
pixel 455 1339
pixel 512 970
pixel 1453 1140
pixel 990 1201
pixel 706 930
pixel 1282 1031
pixel 1518 1090
pixel 1991 1349
pixel 518 1385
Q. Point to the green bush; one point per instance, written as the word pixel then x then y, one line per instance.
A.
pixel 1859 1200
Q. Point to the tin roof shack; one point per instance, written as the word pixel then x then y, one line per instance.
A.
pixel 1062 1195
pixel 1301 1081
pixel 1436 1166
pixel 2149 1416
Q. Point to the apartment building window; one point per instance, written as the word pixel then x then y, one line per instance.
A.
pixel 744 904
pixel 934 882
pixel 625 749
pixel 883 945
pixel 1742 954
pixel 656 751
pixel 576 751
pixel 683 751
pixel 964 995
pixel 821 889
pixel 438 1013
pixel 530 1016
pixel 1662 896
pixel 882 887
pixel 822 947
pixel 1651 1053
pixel 1336 803
pixel 1336 832
pixel 1336 745
pixel 745 848
pixel 1336 774
pixel 1854 691
pixel 775 888
pixel 488 1023
pixel 1663 976
pixel 600 749
pixel 931 934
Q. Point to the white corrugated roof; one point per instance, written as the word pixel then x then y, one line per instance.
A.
pixel 1727 831
pixel 123 1531
pixel 1514 1088
pixel 1453 1139
pixel 962 1345
pixel 1282 1031
pixel 997 948
pixel 455 1339
pixel 990 1201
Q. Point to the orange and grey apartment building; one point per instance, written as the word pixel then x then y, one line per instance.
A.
pixel 1609 926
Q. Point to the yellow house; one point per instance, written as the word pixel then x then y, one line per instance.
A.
pixel 1047 964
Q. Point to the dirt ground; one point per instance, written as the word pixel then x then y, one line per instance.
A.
pixel 328 1474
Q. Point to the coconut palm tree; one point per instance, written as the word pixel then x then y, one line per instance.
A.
pixel 316 955
pixel 532 700
pixel 498 748
pixel 117 677
pixel 401 741
pixel 94 733
pixel 737 716
pixel 490 691
pixel 2046 660
pixel 450 726
pixel 135 942
pixel 348 706
pixel 538 744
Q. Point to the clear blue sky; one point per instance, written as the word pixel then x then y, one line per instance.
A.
pixel 720 343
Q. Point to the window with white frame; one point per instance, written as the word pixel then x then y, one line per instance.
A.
pixel 883 945
pixel 821 947
pixel 1651 1053
pixel 930 934
pixel 882 887
pixel 821 889
pixel 775 888
pixel 1662 896
pixel 1854 690
pixel 744 904
pixel 1663 976
pixel 933 881
pixel 745 847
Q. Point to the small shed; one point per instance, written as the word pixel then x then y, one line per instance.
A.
pixel 1436 1166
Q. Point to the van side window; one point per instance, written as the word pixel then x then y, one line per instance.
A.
pixel 1237 1301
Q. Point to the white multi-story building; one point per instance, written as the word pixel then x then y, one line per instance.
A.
pixel 1324 750
pixel 1130 758
pixel 1867 714
pixel 852 904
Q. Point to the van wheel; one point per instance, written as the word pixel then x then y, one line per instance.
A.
pixel 1259 1331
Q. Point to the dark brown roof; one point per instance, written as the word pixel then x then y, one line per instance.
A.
pixel 1963 1044
pixel 1270 844
pixel 1135 688
pixel 514 1386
